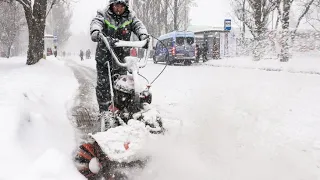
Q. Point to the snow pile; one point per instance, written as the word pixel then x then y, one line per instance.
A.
pixel 123 143
pixel 37 137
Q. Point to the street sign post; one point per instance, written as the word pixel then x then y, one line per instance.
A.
pixel 227 24
pixel 227 27
pixel 55 40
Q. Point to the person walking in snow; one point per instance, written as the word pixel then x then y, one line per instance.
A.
pixel 81 55
pixel 55 51
pixel 204 50
pixel 198 52
pixel 88 54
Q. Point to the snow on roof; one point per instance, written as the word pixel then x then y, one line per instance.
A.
pixel 200 28
pixel 177 34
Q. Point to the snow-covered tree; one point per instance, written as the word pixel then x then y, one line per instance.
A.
pixel 162 16
pixel 59 21
pixel 35 12
pixel 175 14
pixel 151 15
pixel 288 35
pixel 181 9
pixel 255 15
pixel 11 22
pixel 285 38
pixel 313 16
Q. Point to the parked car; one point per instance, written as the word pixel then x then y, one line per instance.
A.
pixel 175 47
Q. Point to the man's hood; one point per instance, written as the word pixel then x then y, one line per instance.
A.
pixel 109 11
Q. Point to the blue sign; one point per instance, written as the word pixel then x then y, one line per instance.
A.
pixel 227 24
pixel 55 39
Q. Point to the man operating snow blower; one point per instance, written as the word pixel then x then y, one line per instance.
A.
pixel 116 22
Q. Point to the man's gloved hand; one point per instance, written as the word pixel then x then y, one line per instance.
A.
pixel 95 36
pixel 112 41
pixel 144 37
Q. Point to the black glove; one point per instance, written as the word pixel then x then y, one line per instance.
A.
pixel 112 41
pixel 144 37
pixel 95 35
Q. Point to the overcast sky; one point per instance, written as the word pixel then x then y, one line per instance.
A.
pixel 210 12
pixel 207 12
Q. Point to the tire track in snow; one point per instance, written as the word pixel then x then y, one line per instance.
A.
pixel 85 108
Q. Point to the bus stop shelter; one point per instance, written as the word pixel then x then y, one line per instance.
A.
pixel 218 41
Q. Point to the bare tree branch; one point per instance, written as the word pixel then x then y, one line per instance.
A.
pixel 313 26
pixel 306 10
pixel 50 7
pixel 25 3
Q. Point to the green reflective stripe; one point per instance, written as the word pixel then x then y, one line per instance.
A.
pixel 125 24
pixel 110 25
pixel 114 27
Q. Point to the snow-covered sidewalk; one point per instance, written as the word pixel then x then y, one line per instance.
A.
pixel 36 135
pixel 300 63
